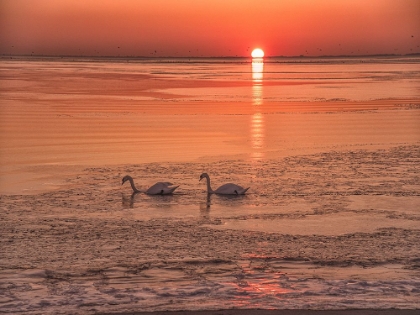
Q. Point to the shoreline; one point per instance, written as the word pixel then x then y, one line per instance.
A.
pixel 126 58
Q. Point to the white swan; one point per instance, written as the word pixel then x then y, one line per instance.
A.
pixel 226 189
pixel 160 188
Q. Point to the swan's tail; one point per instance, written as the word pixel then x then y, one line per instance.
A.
pixel 173 188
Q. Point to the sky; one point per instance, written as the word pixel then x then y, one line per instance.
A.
pixel 188 28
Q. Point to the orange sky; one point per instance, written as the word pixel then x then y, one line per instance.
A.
pixel 209 27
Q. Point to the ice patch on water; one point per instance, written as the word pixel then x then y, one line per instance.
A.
pixel 327 224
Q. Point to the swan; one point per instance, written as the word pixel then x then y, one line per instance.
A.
pixel 160 188
pixel 226 189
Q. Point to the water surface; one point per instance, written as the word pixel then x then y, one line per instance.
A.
pixel 329 147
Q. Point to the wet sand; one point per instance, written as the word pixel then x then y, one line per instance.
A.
pixel 330 221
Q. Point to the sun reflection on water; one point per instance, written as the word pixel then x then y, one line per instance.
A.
pixel 257 70
pixel 257 79
pixel 257 119
pixel 257 283
pixel 257 135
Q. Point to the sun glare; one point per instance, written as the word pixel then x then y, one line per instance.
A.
pixel 257 53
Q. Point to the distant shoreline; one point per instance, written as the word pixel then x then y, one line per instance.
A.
pixel 350 59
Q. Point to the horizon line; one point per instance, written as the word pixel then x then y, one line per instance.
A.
pixel 206 57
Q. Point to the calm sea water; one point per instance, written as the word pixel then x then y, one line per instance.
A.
pixel 328 79
pixel 359 78
pixel 329 147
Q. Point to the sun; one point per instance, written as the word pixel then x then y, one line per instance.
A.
pixel 257 53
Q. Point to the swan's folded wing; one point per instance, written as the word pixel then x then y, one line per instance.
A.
pixel 161 188
pixel 229 189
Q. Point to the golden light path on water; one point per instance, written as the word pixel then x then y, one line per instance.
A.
pixel 257 119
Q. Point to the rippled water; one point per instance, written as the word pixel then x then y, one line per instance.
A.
pixel 331 220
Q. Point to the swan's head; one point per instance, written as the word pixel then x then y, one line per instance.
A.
pixel 204 175
pixel 125 178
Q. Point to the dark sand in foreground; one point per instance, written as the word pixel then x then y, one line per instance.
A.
pixel 278 312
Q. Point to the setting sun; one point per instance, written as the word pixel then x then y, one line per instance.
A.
pixel 257 53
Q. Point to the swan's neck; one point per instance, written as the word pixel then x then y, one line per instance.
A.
pixel 132 185
pixel 209 190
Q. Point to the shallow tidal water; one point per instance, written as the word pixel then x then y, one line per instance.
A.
pixel 331 220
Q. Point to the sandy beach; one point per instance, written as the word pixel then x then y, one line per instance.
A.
pixel 329 226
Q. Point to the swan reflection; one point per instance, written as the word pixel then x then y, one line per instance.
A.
pixel 130 201
pixel 205 205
